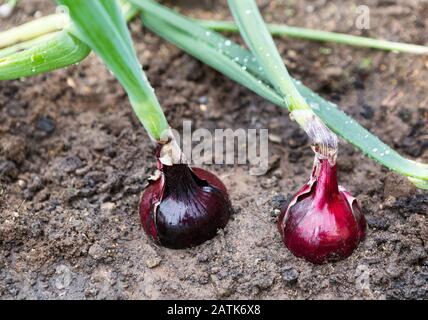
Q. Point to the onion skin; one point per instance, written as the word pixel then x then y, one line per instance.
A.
pixel 323 222
pixel 184 207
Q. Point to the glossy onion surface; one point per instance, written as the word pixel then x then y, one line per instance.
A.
pixel 323 222
pixel 184 207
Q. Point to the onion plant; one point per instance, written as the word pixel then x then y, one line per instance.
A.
pixel 170 207
pixel 182 206
pixel 323 222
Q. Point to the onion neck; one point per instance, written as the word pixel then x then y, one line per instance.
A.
pixel 178 179
pixel 326 186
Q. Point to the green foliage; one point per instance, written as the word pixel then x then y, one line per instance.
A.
pixel 241 66
pixel 101 25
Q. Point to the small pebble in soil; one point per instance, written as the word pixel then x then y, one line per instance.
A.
pixel 290 276
pixel 96 251
pixel 22 183
pixel 295 155
pixel 45 124
pixel 8 169
pixel 63 277
pixel 5 10
pixel 367 111
pixel 380 223
pixel 204 257
pixel 14 148
pixel 275 213
pixel 224 288
pixel 91 292
pixel 107 207
pixel 203 100
pixel 70 164
pixel 36 184
pixel 42 196
pixel 275 138
pixel 153 262
pixel 278 201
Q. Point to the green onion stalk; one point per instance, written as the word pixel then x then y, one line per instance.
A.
pixel 114 46
pixel 260 42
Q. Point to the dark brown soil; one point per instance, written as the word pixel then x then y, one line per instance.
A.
pixel 74 159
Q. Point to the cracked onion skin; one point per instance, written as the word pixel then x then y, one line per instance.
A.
pixel 323 222
pixel 184 207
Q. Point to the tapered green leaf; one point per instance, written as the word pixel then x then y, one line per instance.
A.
pixel 260 42
pixel 322 36
pixel 117 18
pixel 237 63
pixel 42 36
pixel 57 50
pixel 100 24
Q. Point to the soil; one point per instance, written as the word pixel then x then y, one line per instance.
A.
pixel 74 160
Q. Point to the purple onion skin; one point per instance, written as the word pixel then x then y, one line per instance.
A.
pixel 323 223
pixel 184 207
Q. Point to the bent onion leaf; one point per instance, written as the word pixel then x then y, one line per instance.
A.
pixel 31 30
pixel 54 51
pixel 42 36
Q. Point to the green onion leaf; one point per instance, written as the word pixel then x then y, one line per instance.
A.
pixel 421 184
pixel 238 64
pixel 258 38
pixel 34 35
pixel 100 24
pixel 322 36
pixel 54 51
pixel 31 30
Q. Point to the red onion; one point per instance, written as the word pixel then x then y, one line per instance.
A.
pixel 184 206
pixel 323 222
